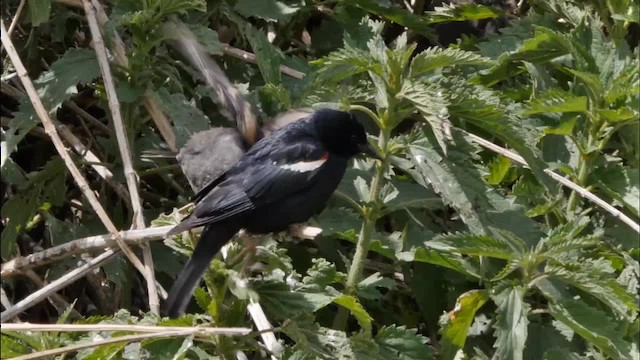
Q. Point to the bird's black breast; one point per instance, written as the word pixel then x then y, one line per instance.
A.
pixel 299 206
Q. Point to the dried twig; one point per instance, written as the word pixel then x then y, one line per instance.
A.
pixel 55 299
pixel 56 285
pixel 124 327
pixel 559 178
pixel 250 57
pixel 99 242
pixel 125 152
pixel 16 17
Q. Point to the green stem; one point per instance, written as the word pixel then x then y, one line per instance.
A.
pixel 583 175
pixel 371 214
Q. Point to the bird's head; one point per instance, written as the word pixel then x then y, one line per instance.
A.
pixel 342 134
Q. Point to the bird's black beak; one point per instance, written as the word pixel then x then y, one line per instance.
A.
pixel 368 150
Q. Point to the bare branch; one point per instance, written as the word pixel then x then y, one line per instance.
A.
pixel 99 242
pixel 125 327
pixel 251 58
pixel 56 285
pixel 559 178
pixel 125 152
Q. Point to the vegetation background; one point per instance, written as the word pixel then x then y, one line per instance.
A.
pixel 447 249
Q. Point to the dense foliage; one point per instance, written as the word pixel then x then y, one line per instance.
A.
pixel 443 250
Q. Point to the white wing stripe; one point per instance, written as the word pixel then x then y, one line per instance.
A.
pixel 304 166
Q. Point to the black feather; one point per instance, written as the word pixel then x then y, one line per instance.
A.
pixel 211 241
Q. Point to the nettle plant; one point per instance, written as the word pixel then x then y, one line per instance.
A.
pixel 552 288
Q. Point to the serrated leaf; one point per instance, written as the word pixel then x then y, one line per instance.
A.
pixel 187 119
pixel 39 11
pixel 618 115
pixel 594 326
pixel 24 120
pixel 398 342
pixel 106 352
pixel 622 184
pixel 400 16
pixel 435 57
pixel 268 57
pixel 345 62
pixel 498 170
pixel 478 245
pixel 441 258
pixel 266 9
pixel 511 324
pixel 351 303
pixel 462 12
pixel 411 195
pixel 321 274
pixel 454 332
pixel 76 66
pixel 595 282
pixel 461 186
pixel 554 101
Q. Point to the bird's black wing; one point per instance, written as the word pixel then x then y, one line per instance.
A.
pixel 253 183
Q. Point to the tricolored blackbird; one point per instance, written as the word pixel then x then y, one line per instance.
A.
pixel 283 179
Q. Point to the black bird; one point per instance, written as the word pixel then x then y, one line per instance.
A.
pixel 283 179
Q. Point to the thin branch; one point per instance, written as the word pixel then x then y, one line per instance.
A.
pixel 559 178
pixel 16 17
pixel 125 327
pixel 99 242
pixel 125 152
pixel 55 299
pixel 56 285
pixel 251 58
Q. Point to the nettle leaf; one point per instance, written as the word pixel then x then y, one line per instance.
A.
pixel 478 245
pixel 597 282
pixel 268 57
pixel 411 195
pixel 622 184
pixel 511 323
pixel 59 84
pixel 485 109
pixel 462 12
pixel 322 273
pixel 187 119
pixel 594 326
pixel 398 342
pixel 498 169
pixel 556 101
pixel 397 15
pixel 460 184
pixel 454 331
pixel 207 38
pixel 430 101
pixel 39 11
pixel 355 308
pixel 23 121
pixel 344 63
pixel 441 258
pixel 268 9
pixel 435 58
pixel 319 342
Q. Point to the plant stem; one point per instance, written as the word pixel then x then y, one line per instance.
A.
pixel 583 175
pixel 371 214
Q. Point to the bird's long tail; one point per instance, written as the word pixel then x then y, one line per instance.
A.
pixel 212 239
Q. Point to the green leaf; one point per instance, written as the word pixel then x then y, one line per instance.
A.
pixel 460 184
pixel 398 342
pixel 511 324
pixel 429 100
pixel 454 331
pixel 23 121
pixel 266 9
pixel 556 101
pixel 441 258
pixel 322 274
pixel 596 281
pixel 187 119
pixel 545 45
pixel 621 184
pixel 351 303
pixel 498 170
pixel 462 12
pixel 59 83
pixel 268 57
pixel 319 342
pixel 618 115
pixel 343 63
pixel 207 38
pixel 435 58
pixel 594 326
pixel 106 352
pixel 419 24
pixel 39 11
pixel 478 245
